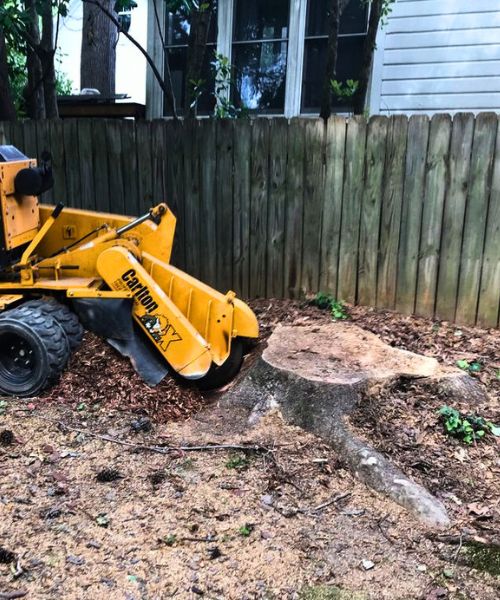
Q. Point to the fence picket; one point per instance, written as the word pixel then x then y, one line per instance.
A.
pixel 430 237
pixel 475 217
pixel 453 218
pixel 351 208
pixel 371 210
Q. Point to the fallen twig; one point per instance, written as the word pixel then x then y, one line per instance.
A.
pixel 160 449
pixel 12 595
pixel 291 512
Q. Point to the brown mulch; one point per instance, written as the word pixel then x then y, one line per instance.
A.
pixel 97 374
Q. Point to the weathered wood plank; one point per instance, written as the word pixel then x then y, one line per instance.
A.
pixel 43 144
pixel 5 133
pixel 488 312
pixel 116 181
pixel 391 212
pixel 86 164
pixel 411 214
pixel 454 213
pixel 72 160
pixel 376 142
pixel 435 189
pixel 101 167
pixel 258 208
pixel 332 203
pixel 30 146
pixel 17 137
pixel 276 209
pixel 173 156
pixel 314 183
pixel 60 191
pixel 241 207
pixel 475 217
pixel 191 140
pixel 294 207
pixel 144 165
pixel 208 226
pixel 129 168
pixel 224 204
pixel 351 208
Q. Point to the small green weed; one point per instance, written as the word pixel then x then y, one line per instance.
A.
pixel 3 407
pixel 238 461
pixel 470 367
pixel 337 308
pixel 170 539
pixel 467 429
pixel 246 530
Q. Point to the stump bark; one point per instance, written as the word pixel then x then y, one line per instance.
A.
pixel 317 375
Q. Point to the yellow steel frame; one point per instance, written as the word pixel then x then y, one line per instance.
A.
pixel 189 323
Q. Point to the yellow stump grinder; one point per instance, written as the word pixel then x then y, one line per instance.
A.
pixel 61 268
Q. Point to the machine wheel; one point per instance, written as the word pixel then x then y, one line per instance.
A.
pixel 66 318
pixel 218 376
pixel 33 352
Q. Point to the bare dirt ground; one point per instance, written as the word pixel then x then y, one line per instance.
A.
pixel 284 521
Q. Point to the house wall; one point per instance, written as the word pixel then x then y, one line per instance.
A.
pixel 130 64
pixel 438 55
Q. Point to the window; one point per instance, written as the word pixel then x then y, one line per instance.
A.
pixel 259 54
pixel 176 42
pixel 262 39
pixel 352 33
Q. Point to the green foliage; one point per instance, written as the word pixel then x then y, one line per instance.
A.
pixel 3 407
pixel 102 520
pixel 224 108
pixel 344 91
pixel 246 530
pixel 470 367
pixel 170 539
pixel 467 429
pixel 337 308
pixel 239 462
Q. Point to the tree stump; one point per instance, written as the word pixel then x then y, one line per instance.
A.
pixel 317 375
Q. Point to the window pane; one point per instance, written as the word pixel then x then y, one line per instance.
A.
pixel 178 27
pixel 353 19
pixel 259 75
pixel 349 60
pixel 177 62
pixel 261 19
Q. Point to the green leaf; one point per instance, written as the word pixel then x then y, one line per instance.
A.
pixel 463 364
pixel 494 429
pixel 102 520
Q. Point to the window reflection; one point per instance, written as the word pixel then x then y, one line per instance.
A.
pixel 259 63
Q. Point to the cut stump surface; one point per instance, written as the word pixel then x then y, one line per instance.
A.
pixel 317 375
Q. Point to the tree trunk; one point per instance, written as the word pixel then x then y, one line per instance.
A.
pixel 47 58
pixel 7 109
pixel 33 93
pixel 368 50
pixel 331 59
pixel 98 58
pixel 197 46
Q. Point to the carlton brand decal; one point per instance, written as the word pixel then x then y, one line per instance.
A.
pixel 141 292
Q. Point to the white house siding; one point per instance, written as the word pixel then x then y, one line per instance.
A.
pixel 438 55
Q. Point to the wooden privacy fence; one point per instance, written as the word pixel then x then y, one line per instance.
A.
pixel 398 212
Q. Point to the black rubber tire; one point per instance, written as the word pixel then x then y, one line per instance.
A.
pixel 219 376
pixel 66 318
pixel 36 340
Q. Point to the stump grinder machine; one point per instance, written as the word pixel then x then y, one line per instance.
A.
pixel 62 269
